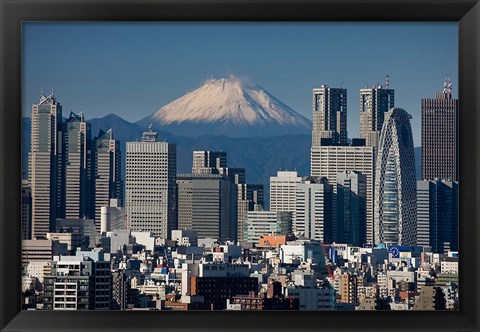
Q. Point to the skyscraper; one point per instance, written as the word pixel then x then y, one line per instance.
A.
pixel 395 184
pixel 75 165
pixel 314 204
pixel 206 204
pixel 329 115
pixel 283 192
pixel 107 169
pixel 44 161
pixel 249 196
pixel 208 162
pixel 26 211
pixel 440 135
pixel 374 102
pixel 437 215
pixel 329 160
pixel 351 207
pixel 150 201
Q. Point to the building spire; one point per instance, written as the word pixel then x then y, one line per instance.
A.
pixel 387 81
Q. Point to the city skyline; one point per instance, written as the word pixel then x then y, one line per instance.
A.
pixel 141 72
pixel 123 219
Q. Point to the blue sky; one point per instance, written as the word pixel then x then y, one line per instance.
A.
pixel 132 69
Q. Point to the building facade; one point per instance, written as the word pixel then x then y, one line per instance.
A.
pixel 206 204
pixel 351 208
pixel 259 222
pixel 107 172
pixel 329 115
pixel 314 209
pixel 150 202
pixel 44 161
pixel 374 102
pixel 329 160
pixel 283 192
pixel 395 184
pixel 437 215
pixel 440 136
pixel 77 167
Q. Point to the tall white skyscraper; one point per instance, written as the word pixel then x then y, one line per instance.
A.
pixel 328 161
pixel 283 192
pixel 395 183
pixel 374 102
pixel 76 160
pixel 44 162
pixel 329 115
pixel 107 168
pixel 314 206
pixel 150 202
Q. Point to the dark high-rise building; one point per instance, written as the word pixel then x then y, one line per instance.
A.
pixel 207 204
pixel 26 211
pixel 107 170
pixel 437 215
pixel 44 164
pixel 374 102
pixel 329 115
pixel 351 208
pixel 216 290
pixel 440 136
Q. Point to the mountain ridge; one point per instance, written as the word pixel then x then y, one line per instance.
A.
pixel 228 106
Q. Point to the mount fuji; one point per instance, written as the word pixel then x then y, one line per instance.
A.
pixel 233 107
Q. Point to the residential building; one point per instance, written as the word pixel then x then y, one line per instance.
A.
pixel 78 283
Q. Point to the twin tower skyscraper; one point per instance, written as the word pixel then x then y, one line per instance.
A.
pixel 384 154
pixel 70 175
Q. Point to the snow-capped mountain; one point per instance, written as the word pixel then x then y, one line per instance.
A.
pixel 228 106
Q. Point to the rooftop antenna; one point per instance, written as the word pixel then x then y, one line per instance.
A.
pixel 445 84
pixel 387 81
pixel 53 90
pixel 150 127
pixel 41 91
pixel 449 89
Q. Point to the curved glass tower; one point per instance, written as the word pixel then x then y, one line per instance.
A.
pixel 395 183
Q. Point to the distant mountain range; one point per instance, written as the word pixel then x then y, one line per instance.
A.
pixel 257 130
pixel 262 157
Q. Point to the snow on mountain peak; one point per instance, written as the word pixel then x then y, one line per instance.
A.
pixel 232 103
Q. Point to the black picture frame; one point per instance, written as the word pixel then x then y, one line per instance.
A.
pixel 14 12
